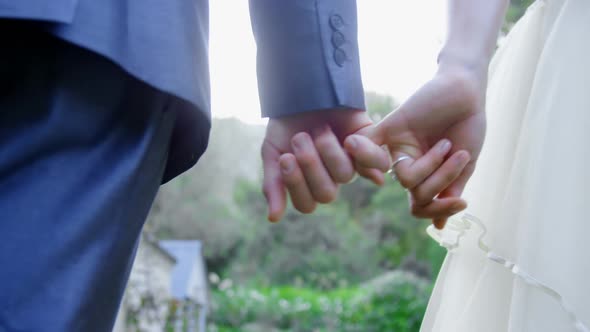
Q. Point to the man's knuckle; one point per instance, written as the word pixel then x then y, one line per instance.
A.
pixel 266 190
pixel 344 175
pixel 326 194
pixel 324 143
pixel 421 197
pixel 417 210
pixel 331 155
pixel 305 207
pixel 306 159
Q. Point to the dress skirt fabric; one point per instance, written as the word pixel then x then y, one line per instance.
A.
pixel 518 258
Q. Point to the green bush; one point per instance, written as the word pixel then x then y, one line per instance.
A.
pixel 295 309
pixel 394 302
pixel 329 249
pixel 368 231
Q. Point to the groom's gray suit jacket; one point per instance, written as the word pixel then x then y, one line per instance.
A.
pixel 307 53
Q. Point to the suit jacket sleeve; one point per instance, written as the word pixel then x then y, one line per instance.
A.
pixel 307 55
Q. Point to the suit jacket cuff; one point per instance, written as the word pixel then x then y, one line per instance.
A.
pixel 307 56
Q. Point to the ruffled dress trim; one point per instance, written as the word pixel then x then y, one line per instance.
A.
pixel 456 229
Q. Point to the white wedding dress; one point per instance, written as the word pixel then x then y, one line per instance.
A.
pixel 519 258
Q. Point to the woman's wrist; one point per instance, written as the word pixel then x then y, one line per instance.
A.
pixel 468 79
pixel 472 33
pixel 462 59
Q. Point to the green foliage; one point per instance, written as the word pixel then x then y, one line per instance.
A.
pixel 515 11
pixel 296 309
pixel 199 204
pixel 395 302
pixel 369 230
pixel 379 105
pixel 325 250
pixel 324 257
pixel 402 240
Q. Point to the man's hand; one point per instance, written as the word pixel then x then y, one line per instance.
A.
pixel 450 106
pixel 303 154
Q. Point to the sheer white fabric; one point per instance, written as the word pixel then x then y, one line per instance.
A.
pixel 531 189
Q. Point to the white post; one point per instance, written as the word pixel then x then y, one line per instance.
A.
pixel 179 319
pixel 203 318
pixel 191 316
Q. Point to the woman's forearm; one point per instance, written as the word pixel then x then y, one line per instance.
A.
pixel 473 27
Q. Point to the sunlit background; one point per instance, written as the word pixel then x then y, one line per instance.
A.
pixel 209 261
pixel 399 42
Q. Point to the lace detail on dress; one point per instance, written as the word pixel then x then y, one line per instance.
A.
pixel 459 227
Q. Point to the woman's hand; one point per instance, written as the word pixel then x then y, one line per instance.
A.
pixel 450 106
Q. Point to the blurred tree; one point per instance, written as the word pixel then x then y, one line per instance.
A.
pixel 199 204
pixel 325 249
pixel 379 105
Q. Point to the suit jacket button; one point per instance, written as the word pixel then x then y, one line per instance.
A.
pixel 338 39
pixel 336 22
pixel 339 57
